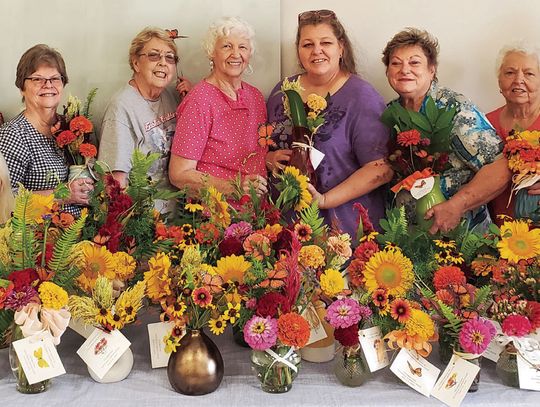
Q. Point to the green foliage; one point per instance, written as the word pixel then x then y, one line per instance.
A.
pixel 6 319
pixel 454 323
pixel 311 216
pixel 395 227
pixel 88 102
pixel 59 262
pixel 482 298
pixel 23 244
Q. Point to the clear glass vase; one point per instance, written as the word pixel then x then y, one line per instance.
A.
pixel 22 382
pixel 507 368
pixel 475 360
pixel 446 345
pixel 351 368
pixel 275 375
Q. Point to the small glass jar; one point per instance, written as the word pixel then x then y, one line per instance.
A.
pixel 507 368
pixel 275 375
pixel 475 360
pixel 351 368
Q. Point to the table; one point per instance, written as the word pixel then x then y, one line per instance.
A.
pixel 315 385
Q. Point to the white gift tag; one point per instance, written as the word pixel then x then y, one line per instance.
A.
pixel 374 348
pixel 156 333
pixel 528 362
pixel 494 348
pixel 415 371
pixel 316 157
pixel 317 331
pixel 454 383
pixel 422 187
pixel 38 357
pixel 102 349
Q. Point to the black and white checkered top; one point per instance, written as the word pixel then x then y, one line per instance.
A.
pixel 33 159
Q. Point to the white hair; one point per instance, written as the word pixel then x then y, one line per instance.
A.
pixel 224 27
pixel 520 46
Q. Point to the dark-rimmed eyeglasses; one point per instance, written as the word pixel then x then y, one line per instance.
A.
pixel 155 56
pixel 316 15
pixel 39 80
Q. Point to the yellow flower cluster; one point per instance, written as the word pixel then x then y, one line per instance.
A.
pixel 157 277
pixel 5 234
pixel 52 296
pixel 96 261
pixel 300 183
pixel 316 103
pixel 332 282
pixel 232 268
pixel 420 324
pixel 124 266
pixel 311 256
pixel 219 208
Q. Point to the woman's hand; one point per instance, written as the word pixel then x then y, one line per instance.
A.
pixel 446 216
pixel 183 86
pixel 276 160
pixel 317 196
pixel 80 190
pixel 257 182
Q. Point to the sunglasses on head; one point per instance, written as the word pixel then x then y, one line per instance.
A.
pixel 316 15
pixel 155 56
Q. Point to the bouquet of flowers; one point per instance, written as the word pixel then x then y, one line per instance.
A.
pixel 73 130
pixel 522 150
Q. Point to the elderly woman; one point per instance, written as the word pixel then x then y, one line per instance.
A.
pixel 31 153
pixel 477 172
pixel 518 70
pixel 216 136
pixel 352 138
pixel 142 114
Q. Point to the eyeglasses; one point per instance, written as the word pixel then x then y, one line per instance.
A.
pixel 38 80
pixel 155 56
pixel 316 15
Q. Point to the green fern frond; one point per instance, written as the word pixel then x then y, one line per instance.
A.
pixel 311 216
pixel 23 242
pixel 395 226
pixel 454 323
pixel 481 297
pixel 88 102
pixel 60 259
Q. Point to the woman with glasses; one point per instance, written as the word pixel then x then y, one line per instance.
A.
pixel 352 138
pixel 32 155
pixel 216 136
pixel 142 115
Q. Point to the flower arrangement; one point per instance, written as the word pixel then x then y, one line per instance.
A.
pixel 73 130
pixel 420 143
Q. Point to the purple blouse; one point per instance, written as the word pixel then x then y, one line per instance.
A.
pixel 351 137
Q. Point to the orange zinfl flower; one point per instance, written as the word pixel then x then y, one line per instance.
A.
pixel 399 339
pixel 80 125
pixel 293 330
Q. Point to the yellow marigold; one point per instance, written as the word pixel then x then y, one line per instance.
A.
pixel 420 324
pixel 316 102
pixel 157 277
pixel 390 270
pixel 124 266
pixel 311 256
pixel 52 296
pixel 332 282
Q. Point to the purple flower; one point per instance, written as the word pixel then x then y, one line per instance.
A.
pixel 239 230
pixel 261 333
pixel 343 313
pixel 18 299
pixel 475 335
pixel 365 311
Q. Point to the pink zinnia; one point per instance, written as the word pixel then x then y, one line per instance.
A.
pixel 475 335
pixel 516 325
pixel 261 333
pixel 18 299
pixel 238 230
pixel 343 313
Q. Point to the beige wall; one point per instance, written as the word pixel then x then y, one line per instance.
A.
pixel 470 33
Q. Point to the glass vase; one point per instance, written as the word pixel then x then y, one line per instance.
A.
pixel 432 198
pixel 22 382
pixel 276 368
pixel 507 368
pixel 78 172
pixel 351 368
pixel 526 206
pixel 446 345
pixel 475 360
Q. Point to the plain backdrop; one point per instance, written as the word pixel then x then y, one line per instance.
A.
pixel 94 36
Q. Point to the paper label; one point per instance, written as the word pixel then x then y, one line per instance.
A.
pixel 528 362
pixel 415 371
pixel 374 348
pixel 422 187
pixel 102 349
pixel 494 348
pixel 317 330
pixel 38 357
pixel 316 157
pixel 156 333
pixel 454 383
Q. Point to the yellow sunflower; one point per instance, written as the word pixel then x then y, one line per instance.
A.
pixel 390 270
pixel 332 282
pixel 124 266
pixel 299 183
pixel 232 268
pixel 157 277
pixel 420 323
pixel 38 205
pixel 97 261
pixel 518 242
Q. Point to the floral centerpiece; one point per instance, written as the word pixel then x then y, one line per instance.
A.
pixel 522 149
pixel 38 265
pixel 72 134
pixel 419 150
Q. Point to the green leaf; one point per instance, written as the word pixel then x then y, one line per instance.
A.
pixel 420 120
pixel 298 113
pixel 311 216
pixel 445 119
pixel 432 112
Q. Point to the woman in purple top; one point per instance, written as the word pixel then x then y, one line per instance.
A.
pixel 353 139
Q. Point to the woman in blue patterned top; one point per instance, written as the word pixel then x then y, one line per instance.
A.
pixel 32 156
pixel 477 171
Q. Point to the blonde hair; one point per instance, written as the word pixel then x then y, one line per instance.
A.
pixel 145 36
pixel 7 201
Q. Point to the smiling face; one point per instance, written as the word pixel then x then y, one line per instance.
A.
pixel 37 96
pixel 231 55
pixel 519 78
pixel 158 74
pixel 319 50
pixel 409 72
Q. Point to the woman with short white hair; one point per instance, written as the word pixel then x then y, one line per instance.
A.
pixel 216 136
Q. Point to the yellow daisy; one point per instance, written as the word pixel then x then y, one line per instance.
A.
pixel 332 282
pixel 518 242
pixel 97 261
pixel 217 326
pixel 232 268
pixel 390 270
pixel 194 207
pixel 232 313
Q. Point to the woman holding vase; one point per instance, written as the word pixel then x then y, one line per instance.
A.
pixel 31 153
pixel 477 171
pixel 353 139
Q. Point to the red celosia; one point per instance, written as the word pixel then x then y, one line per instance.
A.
pixel 367 226
pixel 347 336
pixel 365 250
pixel 409 138
pixel 448 275
pixel 23 278
pixel 272 304
pixel 293 330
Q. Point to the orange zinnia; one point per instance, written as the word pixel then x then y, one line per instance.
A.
pixel 293 330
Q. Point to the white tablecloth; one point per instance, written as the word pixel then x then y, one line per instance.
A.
pixel 315 385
